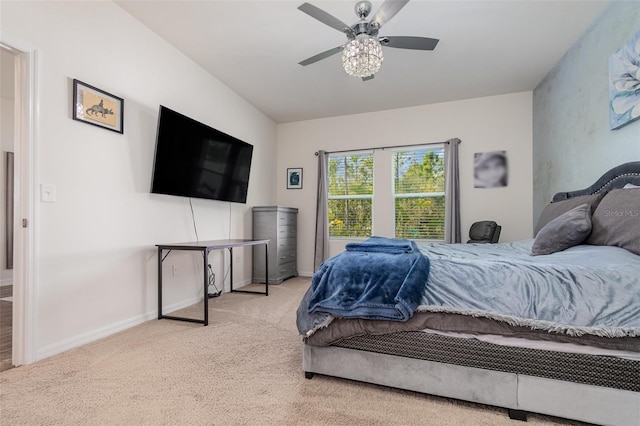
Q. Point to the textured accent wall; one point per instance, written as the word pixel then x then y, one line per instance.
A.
pixel 572 143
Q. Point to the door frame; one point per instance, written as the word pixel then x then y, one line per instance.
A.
pixel 25 215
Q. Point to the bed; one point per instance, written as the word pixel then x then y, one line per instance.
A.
pixel 576 357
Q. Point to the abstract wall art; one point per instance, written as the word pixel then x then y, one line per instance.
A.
pixel 624 84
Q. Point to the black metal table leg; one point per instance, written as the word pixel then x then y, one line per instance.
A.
pixel 266 269
pixel 205 248
pixel 204 321
pixel 159 283
pixel 231 267
pixel 205 256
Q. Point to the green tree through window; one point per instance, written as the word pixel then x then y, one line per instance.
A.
pixel 350 195
pixel 419 193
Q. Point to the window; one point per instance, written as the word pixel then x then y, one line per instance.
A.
pixel 418 190
pixel 410 195
pixel 350 194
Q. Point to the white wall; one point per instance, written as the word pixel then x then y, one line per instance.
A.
pixel 483 124
pixel 572 143
pixel 6 144
pixel 96 261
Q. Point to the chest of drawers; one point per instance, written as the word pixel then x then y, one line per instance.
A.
pixel 280 225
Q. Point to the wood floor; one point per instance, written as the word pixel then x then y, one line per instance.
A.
pixel 6 324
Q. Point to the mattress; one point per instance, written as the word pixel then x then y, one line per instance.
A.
pixel 598 370
pixel 343 328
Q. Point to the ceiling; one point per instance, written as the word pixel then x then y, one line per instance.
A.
pixel 486 48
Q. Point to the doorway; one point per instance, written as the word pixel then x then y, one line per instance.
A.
pixel 17 192
pixel 7 176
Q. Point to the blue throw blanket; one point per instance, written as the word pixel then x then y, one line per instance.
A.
pixel 383 245
pixel 377 279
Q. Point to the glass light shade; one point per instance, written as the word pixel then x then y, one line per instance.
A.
pixel 362 56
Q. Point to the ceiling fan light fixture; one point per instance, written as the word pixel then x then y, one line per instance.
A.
pixel 362 56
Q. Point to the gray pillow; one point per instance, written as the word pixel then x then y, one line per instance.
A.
pixel 554 210
pixel 616 221
pixel 567 230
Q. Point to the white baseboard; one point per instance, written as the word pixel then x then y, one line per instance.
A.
pixel 305 274
pixel 91 336
pixel 236 285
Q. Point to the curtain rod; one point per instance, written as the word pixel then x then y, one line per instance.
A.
pixel 386 147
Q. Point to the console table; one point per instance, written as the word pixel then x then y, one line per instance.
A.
pixel 206 247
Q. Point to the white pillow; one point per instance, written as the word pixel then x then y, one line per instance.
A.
pixel 630 186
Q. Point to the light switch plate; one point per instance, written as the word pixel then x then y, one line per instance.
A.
pixel 47 193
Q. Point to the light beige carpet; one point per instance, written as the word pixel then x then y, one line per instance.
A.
pixel 244 368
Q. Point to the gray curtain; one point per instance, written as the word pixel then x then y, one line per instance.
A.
pixel 452 232
pixel 322 212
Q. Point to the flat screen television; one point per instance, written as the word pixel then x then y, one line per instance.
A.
pixel 195 160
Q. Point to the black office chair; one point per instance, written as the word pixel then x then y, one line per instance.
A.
pixel 486 231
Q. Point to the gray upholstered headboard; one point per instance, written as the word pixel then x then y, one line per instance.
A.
pixel 615 178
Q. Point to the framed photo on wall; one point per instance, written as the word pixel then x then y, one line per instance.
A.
pixel 97 107
pixel 490 169
pixel 294 178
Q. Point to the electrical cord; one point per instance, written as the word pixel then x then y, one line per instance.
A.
pixel 224 280
pixel 193 218
pixel 212 277
pixel 212 283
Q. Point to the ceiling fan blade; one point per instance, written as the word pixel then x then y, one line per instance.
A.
pixel 415 43
pixel 321 56
pixel 387 11
pixel 324 17
pixel 367 78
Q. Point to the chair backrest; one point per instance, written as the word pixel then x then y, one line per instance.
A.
pixel 486 231
pixel 496 234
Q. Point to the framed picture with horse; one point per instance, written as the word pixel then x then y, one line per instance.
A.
pixel 97 107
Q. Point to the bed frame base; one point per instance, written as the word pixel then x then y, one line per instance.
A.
pixel 518 415
pixel 518 393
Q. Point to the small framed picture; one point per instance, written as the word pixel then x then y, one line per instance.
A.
pixel 490 169
pixel 97 107
pixel 294 178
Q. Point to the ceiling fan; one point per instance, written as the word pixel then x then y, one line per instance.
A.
pixel 362 54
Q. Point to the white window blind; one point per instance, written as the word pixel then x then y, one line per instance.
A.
pixel 418 190
pixel 350 194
